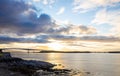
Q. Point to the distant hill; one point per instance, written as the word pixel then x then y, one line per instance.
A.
pixel 114 52
pixel 52 51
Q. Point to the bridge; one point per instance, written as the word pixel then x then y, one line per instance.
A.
pixel 28 50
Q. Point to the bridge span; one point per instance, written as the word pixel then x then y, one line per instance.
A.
pixel 28 49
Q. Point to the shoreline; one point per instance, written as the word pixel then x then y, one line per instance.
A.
pixel 14 66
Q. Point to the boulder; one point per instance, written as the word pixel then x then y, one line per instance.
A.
pixel 5 55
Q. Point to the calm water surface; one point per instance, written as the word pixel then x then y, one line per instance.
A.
pixel 98 64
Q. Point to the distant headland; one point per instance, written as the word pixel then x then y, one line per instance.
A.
pixel 52 51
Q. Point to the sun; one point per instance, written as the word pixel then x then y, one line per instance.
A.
pixel 55 46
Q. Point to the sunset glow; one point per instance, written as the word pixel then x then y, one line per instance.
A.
pixel 68 25
pixel 55 46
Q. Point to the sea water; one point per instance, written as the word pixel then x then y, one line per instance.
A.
pixel 94 64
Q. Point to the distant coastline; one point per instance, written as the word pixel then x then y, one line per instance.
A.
pixel 51 51
pixel 60 51
pixel 114 52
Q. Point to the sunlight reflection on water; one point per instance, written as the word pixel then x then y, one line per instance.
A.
pixel 94 64
pixel 51 57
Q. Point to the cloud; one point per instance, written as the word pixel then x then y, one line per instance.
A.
pixel 61 11
pixel 100 17
pixel 25 21
pixel 36 0
pixel 5 39
pixel 38 39
pixel 86 38
pixel 101 38
pixel 22 19
pixel 45 2
pixel 8 39
pixel 72 29
pixel 87 5
pixel 93 43
pixel 108 17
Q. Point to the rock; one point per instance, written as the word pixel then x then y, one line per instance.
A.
pixel 25 66
pixel 43 73
pixel 20 62
pixel 38 64
pixel 10 59
pixel 87 72
pixel 30 67
pixel 6 72
pixel 1 51
pixel 5 55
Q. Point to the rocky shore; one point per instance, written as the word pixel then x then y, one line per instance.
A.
pixel 12 66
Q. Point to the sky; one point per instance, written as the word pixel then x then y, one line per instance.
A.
pixel 61 25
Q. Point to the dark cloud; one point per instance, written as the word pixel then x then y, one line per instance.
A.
pixel 84 38
pixel 37 39
pixel 77 29
pixel 87 38
pixel 7 39
pixel 64 38
pixel 56 37
pixel 11 10
pixel 100 38
pixel 20 18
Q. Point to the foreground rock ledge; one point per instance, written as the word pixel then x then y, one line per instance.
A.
pixel 11 66
pixel 24 66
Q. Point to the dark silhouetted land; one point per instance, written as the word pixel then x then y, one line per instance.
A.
pixel 51 51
